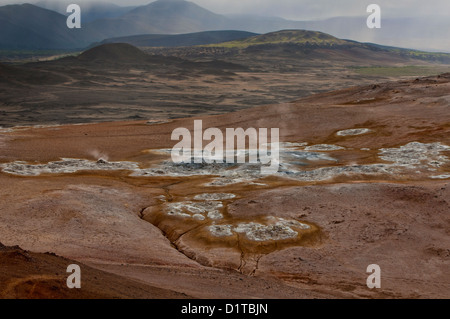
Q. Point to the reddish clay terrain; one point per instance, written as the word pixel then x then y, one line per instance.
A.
pixel 28 275
pixel 364 179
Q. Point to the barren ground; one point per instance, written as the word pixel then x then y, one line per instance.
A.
pixel 311 230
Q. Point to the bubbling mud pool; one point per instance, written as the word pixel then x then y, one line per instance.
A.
pixel 297 162
pixel 65 166
pixel 202 224
pixel 277 228
pixel 209 207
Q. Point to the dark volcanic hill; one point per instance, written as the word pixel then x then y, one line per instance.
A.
pixel 117 58
pixel 181 40
pixel 114 52
pixel 120 55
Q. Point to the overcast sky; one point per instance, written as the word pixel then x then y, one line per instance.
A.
pixel 307 9
pixel 313 9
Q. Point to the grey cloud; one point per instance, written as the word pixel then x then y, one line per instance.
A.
pixel 304 9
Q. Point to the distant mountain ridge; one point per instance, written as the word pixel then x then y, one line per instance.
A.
pixel 162 17
pixel 28 26
pixel 303 39
pixel 287 37
pixel 179 40
pixel 91 11
pixel 286 43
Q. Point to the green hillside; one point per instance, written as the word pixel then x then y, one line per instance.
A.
pixel 316 39
pixel 285 37
pixel 180 40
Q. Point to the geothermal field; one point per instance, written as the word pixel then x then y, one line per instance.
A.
pixel 363 180
pixel 339 189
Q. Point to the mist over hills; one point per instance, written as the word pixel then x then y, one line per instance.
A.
pixel 32 27
pixel 91 10
pixel 173 16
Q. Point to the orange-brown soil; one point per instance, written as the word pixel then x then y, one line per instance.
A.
pixel 28 275
pixel 119 223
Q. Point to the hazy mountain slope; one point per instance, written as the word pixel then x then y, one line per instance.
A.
pixel 259 24
pixel 91 11
pixel 425 33
pixel 30 27
pixel 179 40
pixel 166 17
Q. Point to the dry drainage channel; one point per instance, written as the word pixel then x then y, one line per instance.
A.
pixel 201 223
